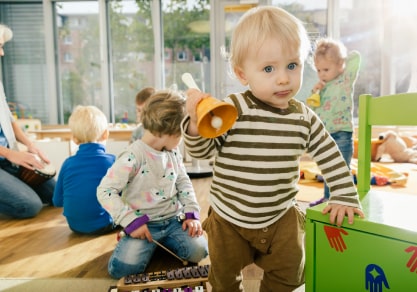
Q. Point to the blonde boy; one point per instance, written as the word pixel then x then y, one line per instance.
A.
pixel 254 217
pixel 81 173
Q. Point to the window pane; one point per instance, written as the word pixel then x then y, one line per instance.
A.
pixel 79 57
pixel 132 50
pixel 186 48
pixel 23 63
pixel 187 42
pixel 400 45
pixel 361 31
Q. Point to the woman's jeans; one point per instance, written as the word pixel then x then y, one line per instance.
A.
pixel 344 141
pixel 19 200
pixel 132 255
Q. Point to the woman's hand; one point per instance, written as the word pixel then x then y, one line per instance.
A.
pixel 25 159
pixel 35 150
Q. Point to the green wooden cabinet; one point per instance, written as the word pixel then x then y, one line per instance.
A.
pixel 376 254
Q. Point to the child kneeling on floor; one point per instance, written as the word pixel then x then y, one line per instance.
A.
pixel 148 192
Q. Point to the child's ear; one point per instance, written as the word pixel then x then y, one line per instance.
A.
pixel 75 140
pixel 105 135
pixel 241 76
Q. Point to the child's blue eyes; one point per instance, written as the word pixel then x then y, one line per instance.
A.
pixel 291 66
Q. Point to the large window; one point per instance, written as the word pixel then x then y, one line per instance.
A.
pixel 154 48
pixel 78 59
pixel 363 31
pixel 102 52
pixel 23 67
pixel 147 45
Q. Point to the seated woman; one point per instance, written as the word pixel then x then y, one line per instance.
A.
pixel 17 198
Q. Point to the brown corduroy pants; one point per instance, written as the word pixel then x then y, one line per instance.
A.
pixel 278 249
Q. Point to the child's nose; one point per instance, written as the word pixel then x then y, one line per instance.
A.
pixel 282 78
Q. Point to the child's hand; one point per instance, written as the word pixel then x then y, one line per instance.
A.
pixel 194 96
pixel 194 227
pixel 338 212
pixel 142 233
pixel 319 86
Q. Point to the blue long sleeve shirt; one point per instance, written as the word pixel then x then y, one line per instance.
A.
pixel 76 188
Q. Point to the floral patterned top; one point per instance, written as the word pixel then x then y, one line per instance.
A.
pixel 144 181
pixel 336 98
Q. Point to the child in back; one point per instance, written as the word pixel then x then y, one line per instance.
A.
pixel 140 100
pixel 148 192
pixel 80 174
pixel 337 71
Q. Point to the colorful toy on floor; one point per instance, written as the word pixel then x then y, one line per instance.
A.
pixel 380 174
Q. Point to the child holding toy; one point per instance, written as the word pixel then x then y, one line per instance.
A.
pixel 254 217
pixel 81 173
pixel 148 192
pixel 338 72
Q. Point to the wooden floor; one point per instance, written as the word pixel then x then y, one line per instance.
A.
pixel 44 247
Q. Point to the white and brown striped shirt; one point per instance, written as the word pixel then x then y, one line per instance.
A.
pixel 257 161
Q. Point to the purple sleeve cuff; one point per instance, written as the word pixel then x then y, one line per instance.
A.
pixel 192 215
pixel 135 224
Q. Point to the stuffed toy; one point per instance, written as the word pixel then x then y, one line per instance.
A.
pixel 410 141
pixel 393 145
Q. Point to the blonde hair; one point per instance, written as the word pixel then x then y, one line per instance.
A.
pixel 6 32
pixel 88 124
pixel 265 22
pixel 144 94
pixel 163 112
pixel 331 50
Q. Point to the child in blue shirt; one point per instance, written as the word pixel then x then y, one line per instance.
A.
pixel 81 173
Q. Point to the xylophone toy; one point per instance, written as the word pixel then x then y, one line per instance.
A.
pixel 186 279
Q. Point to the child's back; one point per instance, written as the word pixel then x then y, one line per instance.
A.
pixel 77 183
pixel 81 173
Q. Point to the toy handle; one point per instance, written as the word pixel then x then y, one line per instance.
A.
pixel 189 81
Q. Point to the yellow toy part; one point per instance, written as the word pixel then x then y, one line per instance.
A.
pixel 314 99
pixel 214 117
